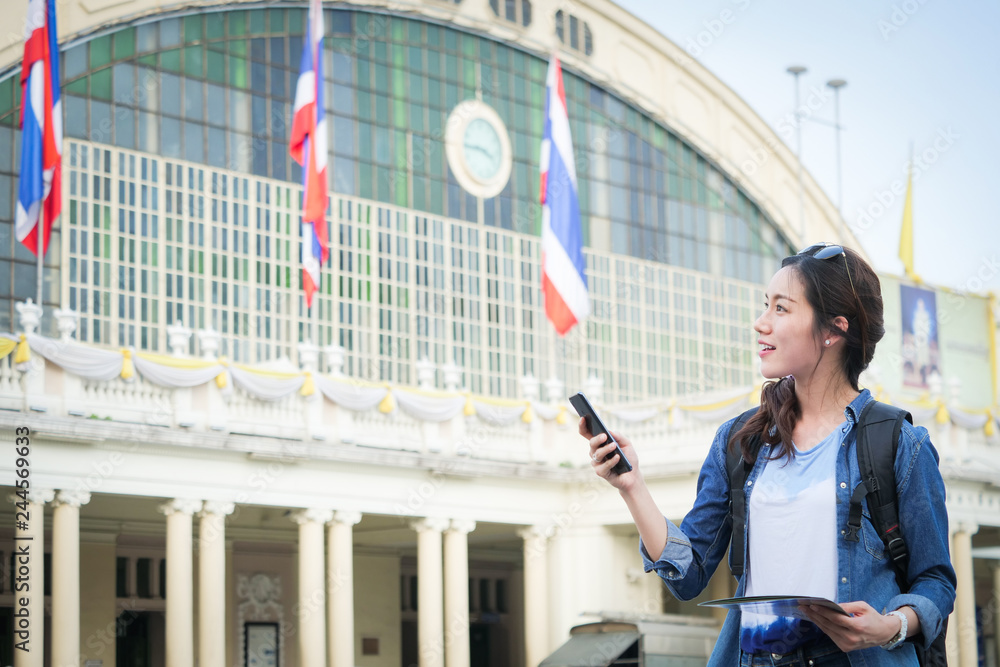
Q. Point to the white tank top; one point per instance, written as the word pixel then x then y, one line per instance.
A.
pixel 792 541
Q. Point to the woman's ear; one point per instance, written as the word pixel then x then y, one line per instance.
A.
pixel 838 327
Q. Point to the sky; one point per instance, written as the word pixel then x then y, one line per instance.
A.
pixel 920 73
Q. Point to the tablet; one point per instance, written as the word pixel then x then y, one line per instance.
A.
pixel 775 605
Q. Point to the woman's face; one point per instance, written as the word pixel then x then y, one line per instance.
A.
pixel 788 344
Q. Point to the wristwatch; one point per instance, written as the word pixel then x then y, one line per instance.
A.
pixel 900 636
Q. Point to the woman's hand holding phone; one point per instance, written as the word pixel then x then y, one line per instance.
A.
pixel 604 457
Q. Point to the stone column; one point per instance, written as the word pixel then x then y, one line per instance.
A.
pixel 536 604
pixel 964 625
pixel 29 550
pixel 456 593
pixel 66 576
pixel 180 582
pixel 340 587
pixel 312 588
pixel 212 582
pixel 430 593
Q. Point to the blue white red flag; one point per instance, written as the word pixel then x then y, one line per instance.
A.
pixel 39 194
pixel 564 279
pixel 308 147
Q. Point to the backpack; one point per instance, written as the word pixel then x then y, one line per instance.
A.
pixel 878 438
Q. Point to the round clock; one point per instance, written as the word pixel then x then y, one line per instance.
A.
pixel 478 149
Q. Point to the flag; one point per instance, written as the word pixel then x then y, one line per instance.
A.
pixel 564 280
pixel 906 233
pixel 308 148
pixel 39 193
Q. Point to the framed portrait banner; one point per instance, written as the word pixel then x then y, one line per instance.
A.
pixel 921 352
pixel 261 644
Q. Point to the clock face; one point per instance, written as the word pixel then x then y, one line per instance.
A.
pixel 478 149
pixel 481 149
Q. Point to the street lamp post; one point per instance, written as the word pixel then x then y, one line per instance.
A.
pixel 837 84
pixel 796 70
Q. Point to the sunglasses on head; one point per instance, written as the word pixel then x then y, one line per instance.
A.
pixel 826 251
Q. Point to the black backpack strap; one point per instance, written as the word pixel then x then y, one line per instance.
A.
pixel 878 437
pixel 738 470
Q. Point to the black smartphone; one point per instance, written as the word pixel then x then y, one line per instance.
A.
pixel 596 426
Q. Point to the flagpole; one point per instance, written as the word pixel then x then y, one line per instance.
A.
pixel 40 252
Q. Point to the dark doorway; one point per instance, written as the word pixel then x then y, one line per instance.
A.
pixel 7 636
pixel 410 649
pixel 133 647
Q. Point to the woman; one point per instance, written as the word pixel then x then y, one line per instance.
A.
pixel 821 321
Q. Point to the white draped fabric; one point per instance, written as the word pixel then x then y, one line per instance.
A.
pixel 718 415
pixel 498 415
pixel 634 416
pixel 546 412
pixel 968 420
pixel 429 408
pixel 350 395
pixel 88 362
pixel 266 386
pixel 170 376
pixel 919 414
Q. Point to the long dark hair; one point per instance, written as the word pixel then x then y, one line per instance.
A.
pixel 839 286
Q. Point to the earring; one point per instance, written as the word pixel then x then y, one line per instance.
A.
pixel 827 342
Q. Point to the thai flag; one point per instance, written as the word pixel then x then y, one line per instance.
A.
pixel 39 191
pixel 564 281
pixel 308 148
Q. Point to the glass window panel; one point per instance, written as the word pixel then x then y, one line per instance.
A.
pixel 278 82
pixel 170 32
pixel 258 157
pixel 278 46
pixel 342 69
pixel 74 62
pixel 170 88
pixel 239 110
pixel 76 116
pixel 170 60
pixel 215 25
pixel 149 139
pixel 194 61
pixel 194 142
pixel 148 89
pixel 237 71
pixel 343 142
pixel 343 175
pixel 100 84
pixel 6 152
pixel 258 76
pixel 279 160
pixel 240 148
pixel 194 99
pixel 170 137
pixel 124 83
pixel 343 99
pixel 124 127
pixel 216 147
pixel 258 50
pixel 215 66
pixel 100 51
pixel 100 121
pixel 193 29
pixel 146 38
pixel 216 104
pixel 258 22
pixel 6 209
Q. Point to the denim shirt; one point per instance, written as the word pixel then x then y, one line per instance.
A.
pixel 865 572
